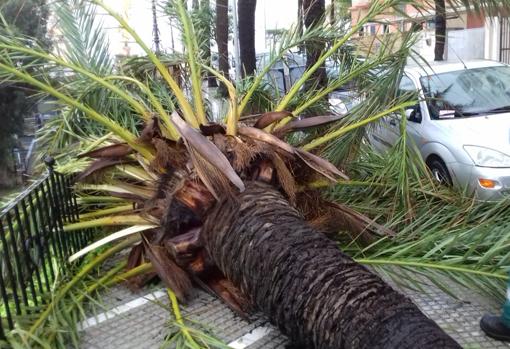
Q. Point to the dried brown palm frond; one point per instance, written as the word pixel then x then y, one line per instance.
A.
pixel 170 273
pixel 101 164
pixel 270 118
pixel 285 178
pixel 110 151
pixel 305 123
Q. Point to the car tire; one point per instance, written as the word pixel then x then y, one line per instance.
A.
pixel 440 171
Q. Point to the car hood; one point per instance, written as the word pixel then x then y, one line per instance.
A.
pixel 490 131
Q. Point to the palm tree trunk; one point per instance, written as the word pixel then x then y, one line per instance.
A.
pixel 206 49
pixel 332 13
pixel 440 21
pixel 246 15
pixel 300 23
pixel 314 11
pixel 155 28
pixel 314 293
pixel 222 35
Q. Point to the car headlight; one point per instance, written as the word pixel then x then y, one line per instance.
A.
pixel 486 157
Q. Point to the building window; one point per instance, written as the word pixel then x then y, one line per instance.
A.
pixel 370 29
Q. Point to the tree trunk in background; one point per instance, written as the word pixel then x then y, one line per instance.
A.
pixel 332 12
pixel 300 23
pixel 315 294
pixel 8 176
pixel 440 21
pixel 28 18
pixel 155 28
pixel 314 11
pixel 206 49
pixel 246 17
pixel 222 39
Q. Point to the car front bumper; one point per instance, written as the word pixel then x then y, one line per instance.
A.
pixel 467 177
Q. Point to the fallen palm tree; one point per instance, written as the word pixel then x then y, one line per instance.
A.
pixel 313 292
pixel 232 206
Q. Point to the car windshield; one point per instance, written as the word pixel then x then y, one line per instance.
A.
pixel 468 92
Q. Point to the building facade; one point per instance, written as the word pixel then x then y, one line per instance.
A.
pixel 469 35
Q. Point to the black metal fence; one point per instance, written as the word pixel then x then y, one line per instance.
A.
pixel 504 40
pixel 34 247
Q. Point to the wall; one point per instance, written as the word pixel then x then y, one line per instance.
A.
pixel 466 44
pixel 492 38
pixel 425 45
pixel 474 21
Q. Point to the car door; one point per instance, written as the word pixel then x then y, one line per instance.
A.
pixel 387 132
pixel 416 116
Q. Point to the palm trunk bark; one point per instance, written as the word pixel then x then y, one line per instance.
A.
pixel 440 21
pixel 314 293
pixel 246 15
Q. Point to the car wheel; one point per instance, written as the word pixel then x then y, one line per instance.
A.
pixel 439 171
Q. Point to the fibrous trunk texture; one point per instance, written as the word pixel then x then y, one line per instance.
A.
pixel 313 292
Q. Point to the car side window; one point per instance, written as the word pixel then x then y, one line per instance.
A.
pixel 407 86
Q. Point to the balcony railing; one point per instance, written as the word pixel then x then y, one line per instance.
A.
pixel 34 246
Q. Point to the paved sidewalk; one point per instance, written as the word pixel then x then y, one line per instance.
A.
pixel 142 320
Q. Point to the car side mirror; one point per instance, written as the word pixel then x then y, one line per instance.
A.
pixel 413 114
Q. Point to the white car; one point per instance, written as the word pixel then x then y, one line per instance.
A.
pixel 460 125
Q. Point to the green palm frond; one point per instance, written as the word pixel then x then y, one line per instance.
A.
pixel 190 336
pixel 85 42
pixel 162 69
pixel 441 236
pixel 192 50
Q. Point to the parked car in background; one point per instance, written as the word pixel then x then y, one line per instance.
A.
pixel 343 100
pixel 460 125
pixel 345 97
pixel 287 70
pixel 284 72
